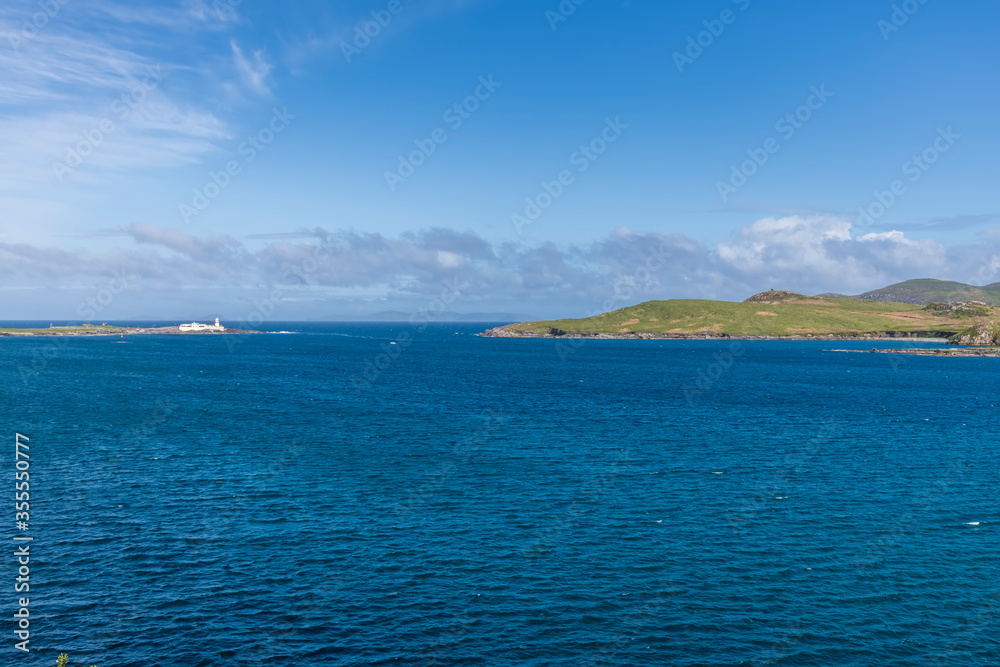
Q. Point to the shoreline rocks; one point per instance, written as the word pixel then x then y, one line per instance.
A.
pixel 981 333
pixel 938 352
pixel 40 333
pixel 506 332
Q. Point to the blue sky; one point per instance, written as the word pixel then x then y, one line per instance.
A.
pixel 163 97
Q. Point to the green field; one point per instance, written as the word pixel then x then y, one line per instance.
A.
pixel 58 331
pixel 794 315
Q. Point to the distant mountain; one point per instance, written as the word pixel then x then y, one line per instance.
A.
pixel 925 291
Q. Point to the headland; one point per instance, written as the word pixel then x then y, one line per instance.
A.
pixel 778 315
pixel 111 330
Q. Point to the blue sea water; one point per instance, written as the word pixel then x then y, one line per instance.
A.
pixel 325 497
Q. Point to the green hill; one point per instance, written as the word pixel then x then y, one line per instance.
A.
pixel 927 291
pixel 766 314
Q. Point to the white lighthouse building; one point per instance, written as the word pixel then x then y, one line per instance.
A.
pixel 197 326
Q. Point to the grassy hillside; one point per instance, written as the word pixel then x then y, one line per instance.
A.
pixel 790 314
pixel 930 291
pixel 92 330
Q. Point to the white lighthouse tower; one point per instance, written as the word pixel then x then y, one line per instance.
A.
pixel 195 326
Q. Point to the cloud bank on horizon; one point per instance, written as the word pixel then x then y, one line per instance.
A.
pixel 317 273
pixel 179 158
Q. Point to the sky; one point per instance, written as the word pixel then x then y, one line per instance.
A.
pixel 309 160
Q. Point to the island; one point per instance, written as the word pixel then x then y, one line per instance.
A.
pixel 111 330
pixel 782 315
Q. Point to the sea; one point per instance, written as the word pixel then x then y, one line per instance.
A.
pixel 393 494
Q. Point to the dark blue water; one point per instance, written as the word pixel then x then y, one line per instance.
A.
pixel 327 498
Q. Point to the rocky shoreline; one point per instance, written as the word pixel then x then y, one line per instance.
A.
pixel 958 350
pixel 506 332
pixel 118 331
pixel 939 352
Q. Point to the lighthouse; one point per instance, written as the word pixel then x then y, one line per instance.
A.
pixel 195 326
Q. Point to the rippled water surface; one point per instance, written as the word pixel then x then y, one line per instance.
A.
pixel 325 497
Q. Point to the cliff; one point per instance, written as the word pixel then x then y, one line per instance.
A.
pixel 981 333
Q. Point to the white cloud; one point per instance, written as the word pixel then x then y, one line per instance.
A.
pixel 820 250
pixel 252 74
pixel 101 63
pixel 157 134
pixel 784 242
pixel 804 254
pixel 335 25
pixel 449 260
pixel 190 14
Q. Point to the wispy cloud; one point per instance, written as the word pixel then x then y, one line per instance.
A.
pixel 332 31
pixel 951 222
pixel 253 73
pixel 55 66
pixel 66 83
pixel 300 234
pixel 184 15
pixel 38 149
pixel 98 233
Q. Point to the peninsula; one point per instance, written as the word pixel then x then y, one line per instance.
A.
pixel 110 330
pixel 777 315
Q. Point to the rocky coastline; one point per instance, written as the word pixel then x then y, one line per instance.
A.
pixel 116 331
pixel 507 332
pixel 939 352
